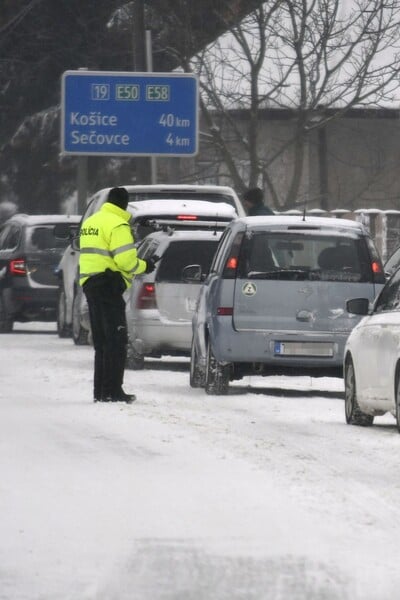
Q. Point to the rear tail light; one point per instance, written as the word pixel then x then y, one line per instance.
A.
pixel 18 267
pixel 377 270
pixel 225 311
pixel 231 263
pixel 186 218
pixel 230 267
pixel 147 297
pixel 376 267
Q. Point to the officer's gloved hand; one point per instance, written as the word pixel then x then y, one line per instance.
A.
pixel 151 264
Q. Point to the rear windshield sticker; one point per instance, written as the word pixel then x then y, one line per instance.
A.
pixel 249 289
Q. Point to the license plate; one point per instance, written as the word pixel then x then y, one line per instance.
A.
pixel 303 349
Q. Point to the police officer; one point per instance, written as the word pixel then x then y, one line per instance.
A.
pixel 107 263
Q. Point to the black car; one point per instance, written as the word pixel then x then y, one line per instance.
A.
pixel 30 251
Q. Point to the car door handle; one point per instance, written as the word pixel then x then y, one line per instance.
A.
pixel 304 315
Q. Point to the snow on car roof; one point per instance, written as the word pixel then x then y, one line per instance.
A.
pixel 44 219
pixel 180 187
pixel 171 206
pixel 294 220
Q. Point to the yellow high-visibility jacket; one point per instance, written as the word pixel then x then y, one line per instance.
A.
pixel 106 242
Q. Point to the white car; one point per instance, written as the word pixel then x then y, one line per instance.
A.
pixel 372 357
pixel 186 206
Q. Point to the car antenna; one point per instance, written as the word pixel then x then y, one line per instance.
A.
pixel 304 210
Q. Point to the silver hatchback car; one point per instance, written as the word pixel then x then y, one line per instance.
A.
pixel 160 304
pixel 275 298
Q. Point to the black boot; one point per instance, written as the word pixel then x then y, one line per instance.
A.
pixel 120 397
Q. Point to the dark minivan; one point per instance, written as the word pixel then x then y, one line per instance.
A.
pixel 29 254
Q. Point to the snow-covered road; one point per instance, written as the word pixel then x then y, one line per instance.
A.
pixel 262 494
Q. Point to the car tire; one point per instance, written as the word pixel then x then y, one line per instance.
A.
pixel 197 377
pixel 354 415
pixel 6 321
pixel 79 334
pixel 134 360
pixel 63 330
pixel 397 399
pixel 217 375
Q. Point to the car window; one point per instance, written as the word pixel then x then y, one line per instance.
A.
pixel 3 235
pixel 93 206
pixel 290 255
pixel 180 254
pixel 147 248
pixel 393 262
pixel 10 236
pixel 389 298
pixel 43 238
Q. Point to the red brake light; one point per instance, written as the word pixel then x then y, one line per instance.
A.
pixel 225 311
pixel 231 263
pixel 147 296
pixel 186 218
pixel 376 267
pixel 18 267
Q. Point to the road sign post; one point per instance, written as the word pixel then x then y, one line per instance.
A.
pixel 130 114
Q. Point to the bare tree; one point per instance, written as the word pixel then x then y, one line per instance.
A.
pixel 316 58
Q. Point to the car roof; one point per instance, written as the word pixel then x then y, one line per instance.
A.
pixel 178 186
pixel 43 219
pixel 177 191
pixel 170 206
pixel 300 222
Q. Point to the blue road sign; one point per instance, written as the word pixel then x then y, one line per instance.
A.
pixel 131 114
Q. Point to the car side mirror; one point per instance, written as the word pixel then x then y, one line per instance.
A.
pixel 358 306
pixel 192 273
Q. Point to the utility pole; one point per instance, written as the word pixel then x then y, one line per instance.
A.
pixel 82 179
pixel 143 164
pixel 323 168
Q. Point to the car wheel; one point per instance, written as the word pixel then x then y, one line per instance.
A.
pixel 63 329
pixel 79 334
pixel 134 360
pixel 197 378
pixel 6 321
pixel 354 415
pixel 217 375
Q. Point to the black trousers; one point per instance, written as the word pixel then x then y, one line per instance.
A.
pixel 104 295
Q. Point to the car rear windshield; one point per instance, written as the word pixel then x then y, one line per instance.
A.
pixel 181 194
pixel 181 254
pixel 42 237
pixel 294 256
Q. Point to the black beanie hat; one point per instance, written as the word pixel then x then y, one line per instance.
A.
pixel 254 196
pixel 118 196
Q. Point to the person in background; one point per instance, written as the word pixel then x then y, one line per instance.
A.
pixel 107 263
pixel 253 200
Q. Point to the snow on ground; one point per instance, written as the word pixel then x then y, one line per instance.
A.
pixel 261 494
